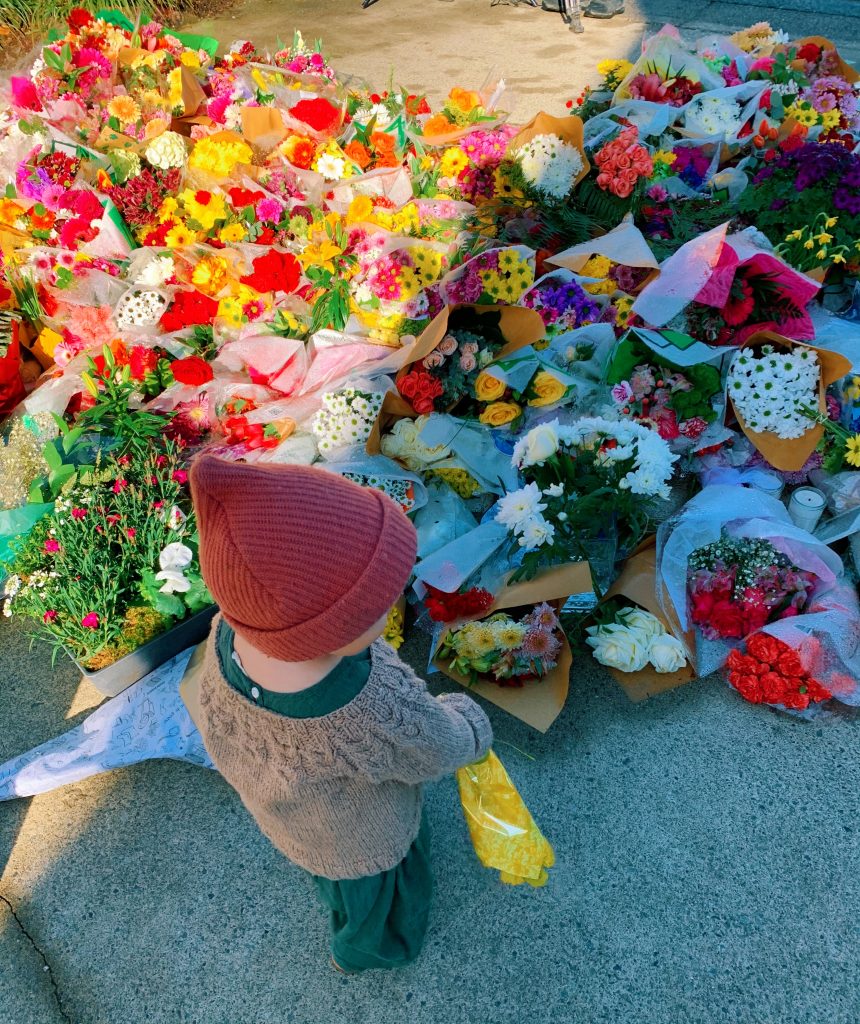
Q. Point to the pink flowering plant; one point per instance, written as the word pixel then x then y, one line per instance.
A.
pixel 115 563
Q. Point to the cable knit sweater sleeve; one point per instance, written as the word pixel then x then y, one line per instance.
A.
pixel 429 737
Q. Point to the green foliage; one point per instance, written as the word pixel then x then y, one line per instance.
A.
pixel 113 389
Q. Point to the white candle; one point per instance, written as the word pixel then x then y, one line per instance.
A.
pixel 805 507
pixel 770 483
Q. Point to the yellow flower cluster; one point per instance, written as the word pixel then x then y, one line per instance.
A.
pixel 219 156
pixel 393 633
pixel 623 310
pixel 614 71
pixel 514 276
pixel 459 480
pixel 599 266
pixel 498 633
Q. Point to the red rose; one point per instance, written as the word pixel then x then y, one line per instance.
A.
pixel 142 360
pixel 191 370
pixel 420 389
pixel 318 114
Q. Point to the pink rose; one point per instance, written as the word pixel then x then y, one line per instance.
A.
pixel 604 180
pixel 467 362
pixel 448 345
pixel 622 188
pixel 628 175
pixel 623 161
pixel 433 360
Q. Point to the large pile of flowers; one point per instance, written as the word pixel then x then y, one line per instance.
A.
pixel 550 336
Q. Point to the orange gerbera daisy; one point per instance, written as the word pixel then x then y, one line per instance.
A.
pixel 124 109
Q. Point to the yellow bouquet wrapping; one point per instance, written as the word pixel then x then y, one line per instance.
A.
pixel 503 831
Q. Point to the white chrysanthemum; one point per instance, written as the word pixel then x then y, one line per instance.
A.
pixel 713 115
pixel 517 508
pixel 550 165
pixel 535 532
pixel 157 272
pixel 770 389
pixel 331 167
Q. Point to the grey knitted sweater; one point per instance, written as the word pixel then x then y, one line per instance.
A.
pixel 341 795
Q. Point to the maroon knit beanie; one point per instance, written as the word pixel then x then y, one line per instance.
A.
pixel 300 561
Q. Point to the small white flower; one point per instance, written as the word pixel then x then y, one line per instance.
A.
pixel 174 582
pixel 517 508
pixel 554 490
pixel 331 167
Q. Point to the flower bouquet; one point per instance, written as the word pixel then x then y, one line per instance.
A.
pixel 724 289
pixel 586 482
pixel 772 672
pixel 776 387
pixel 549 157
pixel 731 562
pixel 517 657
pixel 448 363
pixel 677 401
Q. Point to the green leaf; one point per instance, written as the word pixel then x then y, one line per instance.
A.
pixel 52 456
pixel 57 479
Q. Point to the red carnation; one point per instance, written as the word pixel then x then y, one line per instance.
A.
pixel 274 272
pixel 810 52
pixel 141 361
pixel 189 308
pixel 191 370
pixel 75 232
pixel 78 18
pixel 765 647
pixel 318 114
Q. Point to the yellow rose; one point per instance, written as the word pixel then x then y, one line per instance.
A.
pixel 546 389
pixel 500 413
pixel 489 388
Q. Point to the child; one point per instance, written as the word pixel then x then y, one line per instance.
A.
pixel 326 735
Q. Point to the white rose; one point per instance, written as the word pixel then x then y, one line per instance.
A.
pixel 643 622
pixel 667 654
pixel 537 446
pixel 619 647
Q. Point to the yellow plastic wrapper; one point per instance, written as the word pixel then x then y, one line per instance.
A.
pixel 503 831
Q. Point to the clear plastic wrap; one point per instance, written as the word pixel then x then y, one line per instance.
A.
pixel 443 519
pixel 355 462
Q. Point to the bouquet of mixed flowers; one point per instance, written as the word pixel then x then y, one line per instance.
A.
pixel 115 563
pixel 508 649
pixel 736 585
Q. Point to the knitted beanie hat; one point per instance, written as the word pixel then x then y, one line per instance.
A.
pixel 300 561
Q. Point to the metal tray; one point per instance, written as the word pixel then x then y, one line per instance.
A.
pixel 118 677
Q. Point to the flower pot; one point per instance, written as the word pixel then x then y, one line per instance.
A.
pixel 127 670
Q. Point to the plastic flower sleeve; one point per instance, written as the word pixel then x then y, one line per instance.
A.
pixel 624 244
pixel 473 447
pixel 449 567
pixel 503 832
pixel 443 519
pixel 746 513
pixel 668 57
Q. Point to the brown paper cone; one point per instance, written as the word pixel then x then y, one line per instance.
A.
pixel 569 129
pixel 193 96
pixel 393 408
pixel 790 455
pixel 263 127
pixel 843 69
pixel 637 583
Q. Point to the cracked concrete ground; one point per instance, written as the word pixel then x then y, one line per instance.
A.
pixel 707 850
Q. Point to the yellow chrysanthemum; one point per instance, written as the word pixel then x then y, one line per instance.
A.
pixel 509 634
pixel 453 161
pixel 614 69
pixel 804 113
pixel 830 119
pixel 663 156
pixel 167 210
pixel 410 284
pixel 219 156
pixel 190 58
pixel 360 210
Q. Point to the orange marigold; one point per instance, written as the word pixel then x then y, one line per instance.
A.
pixel 300 151
pixel 463 99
